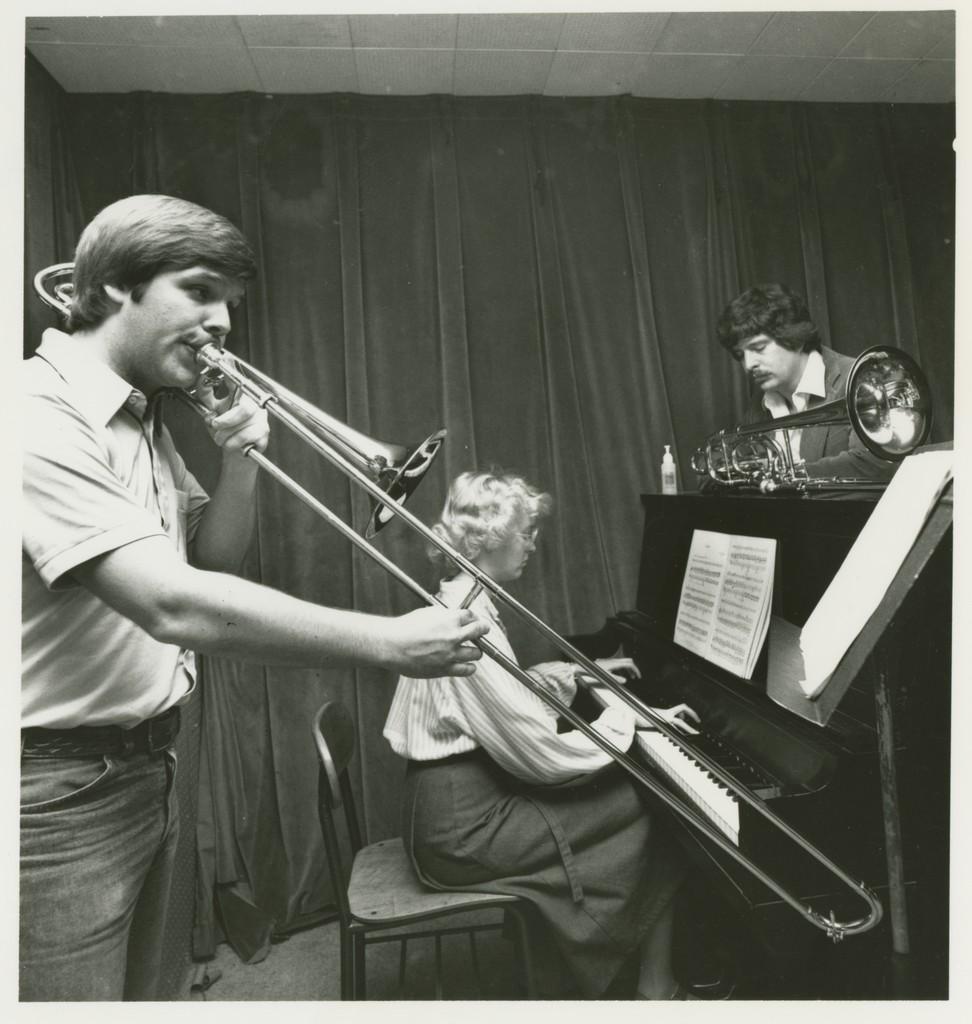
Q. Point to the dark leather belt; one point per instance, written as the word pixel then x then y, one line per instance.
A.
pixel 147 737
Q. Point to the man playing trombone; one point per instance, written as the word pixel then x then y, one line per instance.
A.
pixel 128 567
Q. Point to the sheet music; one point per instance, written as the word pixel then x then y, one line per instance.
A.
pixel 723 612
pixel 870 566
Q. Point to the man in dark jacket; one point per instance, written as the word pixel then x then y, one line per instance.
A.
pixel 768 330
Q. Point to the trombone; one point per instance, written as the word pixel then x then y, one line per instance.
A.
pixel 354 455
pixel 888 405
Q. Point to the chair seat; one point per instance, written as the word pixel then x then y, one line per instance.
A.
pixel 384 888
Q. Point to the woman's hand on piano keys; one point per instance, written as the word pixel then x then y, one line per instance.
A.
pixel 622 669
pixel 678 717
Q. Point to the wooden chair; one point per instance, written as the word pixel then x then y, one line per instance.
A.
pixel 383 895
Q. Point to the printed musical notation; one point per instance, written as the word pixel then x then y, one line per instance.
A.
pixel 727 591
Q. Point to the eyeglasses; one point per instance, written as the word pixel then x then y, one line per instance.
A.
pixel 528 535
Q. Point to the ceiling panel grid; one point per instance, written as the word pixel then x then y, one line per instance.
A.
pixel 835 56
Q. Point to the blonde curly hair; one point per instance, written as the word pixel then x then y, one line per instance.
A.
pixel 480 510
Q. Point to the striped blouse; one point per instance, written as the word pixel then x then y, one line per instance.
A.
pixel 434 718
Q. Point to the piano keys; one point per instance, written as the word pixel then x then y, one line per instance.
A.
pixel 715 800
pixel 687 775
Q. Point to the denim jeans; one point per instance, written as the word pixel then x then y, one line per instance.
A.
pixel 97 845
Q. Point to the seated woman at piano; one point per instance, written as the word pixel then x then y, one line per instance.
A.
pixel 497 800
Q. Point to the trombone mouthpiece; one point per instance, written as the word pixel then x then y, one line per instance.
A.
pixel 209 354
pixel 209 357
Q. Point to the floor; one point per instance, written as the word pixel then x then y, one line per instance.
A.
pixel 306 966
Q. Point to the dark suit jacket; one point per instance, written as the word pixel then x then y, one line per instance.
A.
pixel 834 450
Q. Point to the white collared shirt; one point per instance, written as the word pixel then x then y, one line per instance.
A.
pixel 96 477
pixel 434 718
pixel 812 384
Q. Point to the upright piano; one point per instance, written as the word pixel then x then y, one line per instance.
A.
pixel 869 788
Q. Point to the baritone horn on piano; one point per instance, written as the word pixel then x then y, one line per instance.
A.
pixel 887 404
pixel 342 447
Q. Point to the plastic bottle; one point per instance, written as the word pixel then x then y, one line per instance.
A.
pixel 668 472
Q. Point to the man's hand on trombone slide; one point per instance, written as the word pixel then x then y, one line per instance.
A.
pixel 435 642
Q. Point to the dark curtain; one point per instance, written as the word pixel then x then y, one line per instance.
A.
pixel 539 276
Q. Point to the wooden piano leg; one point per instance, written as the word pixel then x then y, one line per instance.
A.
pixel 900 940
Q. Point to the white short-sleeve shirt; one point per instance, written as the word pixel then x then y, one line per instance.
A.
pixel 96 477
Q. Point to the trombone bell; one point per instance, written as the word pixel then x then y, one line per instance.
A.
pixel 400 476
pixel 888 403
pixel 53 286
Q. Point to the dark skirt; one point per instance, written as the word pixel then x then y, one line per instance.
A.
pixel 587 855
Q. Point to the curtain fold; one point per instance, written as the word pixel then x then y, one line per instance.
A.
pixel 542 278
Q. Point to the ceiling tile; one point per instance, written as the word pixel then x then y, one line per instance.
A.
pixel 509 31
pixel 296 30
pixel 593 74
pixel 683 54
pixel 158 31
pixel 293 69
pixel 809 34
pixel 404 72
pixel 404 31
pixel 929 81
pixel 86 68
pixel 684 76
pixel 856 81
pixel 896 34
pixel 711 32
pixel 770 78
pixel 623 33
pixel 72 70
pixel 501 72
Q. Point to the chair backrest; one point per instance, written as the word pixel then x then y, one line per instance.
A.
pixel 334 737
